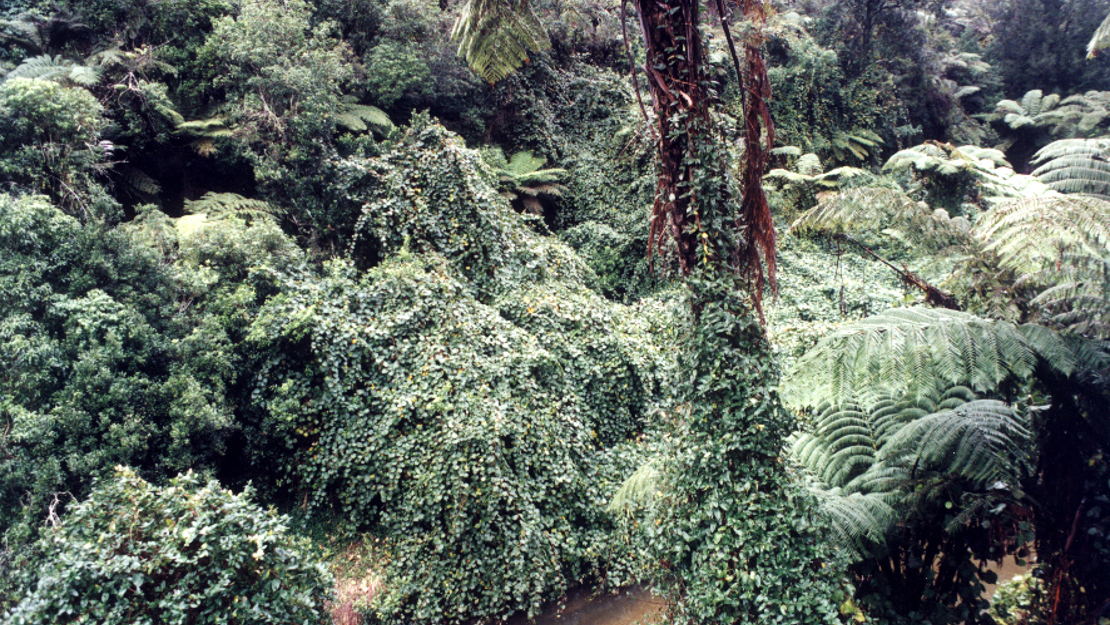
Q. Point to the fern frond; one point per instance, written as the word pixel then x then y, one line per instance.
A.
pixel 848 435
pixel 1100 40
pixel 23 30
pixel 496 36
pixel 860 522
pixel 639 489
pixel 1032 234
pixel 204 132
pixel 362 117
pixel 1031 102
pixel 984 441
pixel 56 68
pixel 1005 107
pixel 214 206
pixel 912 350
pixel 876 208
pixel 204 128
pixel 1075 166
pixel 139 180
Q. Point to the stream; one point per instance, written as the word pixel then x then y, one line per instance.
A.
pixel 627 606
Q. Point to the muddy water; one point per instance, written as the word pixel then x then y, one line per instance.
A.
pixel 637 606
pixel 629 606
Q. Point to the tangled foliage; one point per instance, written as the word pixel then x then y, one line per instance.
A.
pixel 457 397
pixel 120 347
pixel 49 144
pixel 185 553
pixel 739 541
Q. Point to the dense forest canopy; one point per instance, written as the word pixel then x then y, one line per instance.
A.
pixel 404 311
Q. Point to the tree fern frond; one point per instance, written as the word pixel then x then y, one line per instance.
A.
pixel 56 68
pixel 525 162
pixel 496 36
pixel 139 180
pixel 639 489
pixel 984 441
pixel 204 132
pixel 215 206
pixel 1032 234
pixel 212 126
pixel 23 30
pixel 912 350
pixel 860 522
pixel 1075 166
pixel 875 208
pixel 1009 107
pixel 1031 102
pixel 1100 40
pixel 362 117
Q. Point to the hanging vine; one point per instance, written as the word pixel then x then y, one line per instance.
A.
pixel 695 213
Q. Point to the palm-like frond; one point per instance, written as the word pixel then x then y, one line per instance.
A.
pixel 866 464
pixel 859 144
pixel 138 180
pixel 1031 234
pixel 878 208
pixel 496 36
pixel 23 31
pixel 357 117
pixel 860 522
pixel 848 435
pixel 214 206
pixel 1075 166
pixel 911 350
pixel 522 178
pixel 984 441
pixel 56 68
pixel 808 173
pixel 1100 40
pixel 204 133
pixel 639 489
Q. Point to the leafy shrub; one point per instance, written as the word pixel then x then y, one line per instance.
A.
pixel 428 192
pixel 1020 601
pixel 49 143
pixel 120 346
pixel 185 553
pixel 283 77
pixel 397 71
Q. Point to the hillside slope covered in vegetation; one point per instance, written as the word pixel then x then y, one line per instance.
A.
pixel 795 311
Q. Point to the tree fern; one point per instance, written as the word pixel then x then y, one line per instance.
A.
pixel 138 181
pixel 215 206
pixel 868 464
pixel 1059 246
pixel 860 522
pixel 878 208
pixel 204 133
pixel 858 144
pixel 1100 40
pixel 496 36
pixel 1031 234
pixel 910 350
pixel 809 174
pixel 523 179
pixel 848 435
pixel 1075 166
pixel 46 67
pixel 984 441
pixel 357 117
pixel 25 32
